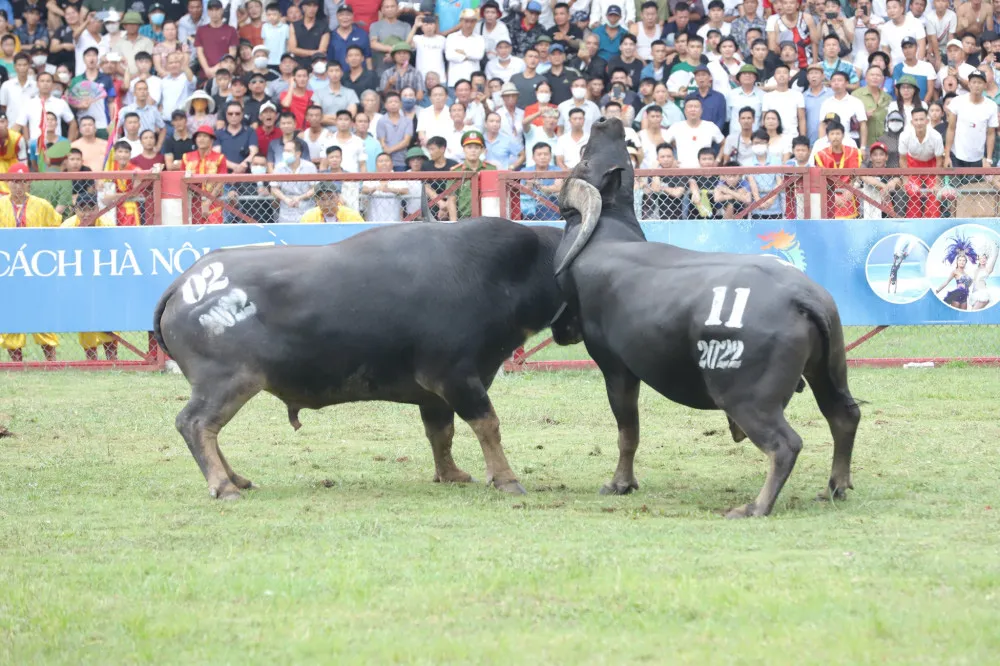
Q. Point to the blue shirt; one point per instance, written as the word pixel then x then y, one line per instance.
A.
pixel 897 73
pixel 813 104
pixel 339 45
pixel 372 149
pixel 767 183
pixel 448 12
pixel 147 31
pixel 531 208
pixel 648 72
pixel 840 66
pixel 236 147
pixel 150 117
pixel 713 107
pixel 502 151
pixel 608 46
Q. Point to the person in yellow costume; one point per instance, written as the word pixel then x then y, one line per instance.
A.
pixel 327 197
pixel 86 216
pixel 18 210
pixel 13 149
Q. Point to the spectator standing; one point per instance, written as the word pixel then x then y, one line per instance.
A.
pixel 20 88
pixel 131 42
pixel 876 101
pixel 177 85
pixel 298 97
pixel 150 157
pixel 505 65
pixel 972 123
pixel 274 34
pixel 713 103
pixel 359 78
pixel 586 61
pixel 528 80
pixel 32 32
pixel 435 120
pixel 921 70
pixel 815 96
pixel 200 110
pixel 187 25
pixel 464 49
pixel 693 135
pixel 402 75
pixel 739 144
pixel 149 116
pixel 578 101
pixel 651 137
pixel 747 20
pixel 502 150
pixel 252 30
pixel 839 156
pixel 309 37
pixel 91 148
pixel 204 161
pixel 294 196
pixel 362 125
pixel 544 189
pixel 902 26
pixel 316 137
pixel 438 161
pixel 177 144
pixel 921 147
pixel 214 40
pixel 430 45
pixel 790 104
pixel 850 111
pixel 511 117
pixel 384 35
pixel 563 31
pixel 34 109
pixel 571 142
pixel 352 147
pixel 236 141
pixel 394 131
pixel 157 18
pixel 528 32
pixel 335 97
pixel 288 129
pixel 610 31
pixel 347 36
pixel 788 22
pixel 747 95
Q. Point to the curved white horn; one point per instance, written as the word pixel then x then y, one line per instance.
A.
pixel 581 196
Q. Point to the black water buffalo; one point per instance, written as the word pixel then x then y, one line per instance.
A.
pixel 706 330
pixel 413 313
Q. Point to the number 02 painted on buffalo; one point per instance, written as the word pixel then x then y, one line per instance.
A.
pixel 201 284
pixel 736 315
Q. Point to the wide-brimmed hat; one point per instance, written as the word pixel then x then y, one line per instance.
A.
pixel 199 94
pixel 509 89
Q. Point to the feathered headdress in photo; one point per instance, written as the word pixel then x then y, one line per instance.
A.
pixel 960 246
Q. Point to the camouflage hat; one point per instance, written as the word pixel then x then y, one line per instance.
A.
pixel 473 136
pixel 327 187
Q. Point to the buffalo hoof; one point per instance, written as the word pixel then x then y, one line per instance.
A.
pixel 619 487
pixel 457 477
pixel 835 491
pixel 511 487
pixel 227 493
pixel 745 511
pixel 243 483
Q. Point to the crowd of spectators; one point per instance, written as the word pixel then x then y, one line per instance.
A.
pixel 310 86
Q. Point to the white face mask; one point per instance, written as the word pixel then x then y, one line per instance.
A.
pixel 38 61
pixel 544 97
pixel 111 28
pixel 64 77
pixel 579 93
pixel 260 62
pixel 258 169
pixel 759 150
pixel 894 127
pixel 319 68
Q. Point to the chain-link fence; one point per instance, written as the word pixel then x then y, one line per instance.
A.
pixel 870 194
pixel 675 194
pixel 326 197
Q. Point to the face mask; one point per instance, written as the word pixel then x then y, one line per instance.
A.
pixel 503 58
pixel 544 97
pixel 409 103
pixel 38 61
pixel 64 77
pixel 579 93
pixel 759 150
pixel 111 27
pixel 319 68
pixel 157 19
pixel 894 127
pixel 260 63
pixel 613 23
pixel 288 158
pixel 57 93
pixel 258 169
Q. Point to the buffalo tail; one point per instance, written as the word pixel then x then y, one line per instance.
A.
pixel 822 312
pixel 158 314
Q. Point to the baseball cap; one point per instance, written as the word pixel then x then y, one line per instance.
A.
pixel 533 6
pixel 205 129
pixel 614 10
pixel 265 106
pixel 988 36
pixel 473 136
pixel 214 4
pixel 112 17
pixel 86 199
pixel 954 42
pixel 977 74
pixel 345 8
pixel 156 7
pixel 20 167
pixel 557 47
pixel 702 68
pixel 908 41
pixel 878 145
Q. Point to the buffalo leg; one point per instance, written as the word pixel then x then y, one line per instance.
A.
pixel 843 416
pixel 623 395
pixel 439 424
pixel 772 435
pixel 206 413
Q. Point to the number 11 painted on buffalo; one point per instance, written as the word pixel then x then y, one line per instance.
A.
pixel 739 306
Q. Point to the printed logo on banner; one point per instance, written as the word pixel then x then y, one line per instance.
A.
pixel 787 246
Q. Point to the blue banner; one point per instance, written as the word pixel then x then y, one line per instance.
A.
pixel 879 271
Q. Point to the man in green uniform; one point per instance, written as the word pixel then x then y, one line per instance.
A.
pixel 473 144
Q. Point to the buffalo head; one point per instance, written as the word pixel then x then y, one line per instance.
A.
pixel 602 181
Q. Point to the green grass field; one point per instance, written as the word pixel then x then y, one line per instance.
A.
pixel 111 551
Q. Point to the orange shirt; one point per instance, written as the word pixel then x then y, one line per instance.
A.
pixel 849 159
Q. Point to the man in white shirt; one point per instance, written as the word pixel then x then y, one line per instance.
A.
pixel 90 37
pixel 921 147
pixel 570 144
pixel 790 104
pixel 692 135
pixel 491 29
pixel 972 123
pixel 463 49
pixel 435 120
pixel 579 100
pixel 511 117
pixel 18 90
pixel 599 13
pixel 849 109
pixel 504 65
pixel 899 27
pixel 177 85
pixel 354 159
pixel 429 46
pixel 34 109
pixel 940 23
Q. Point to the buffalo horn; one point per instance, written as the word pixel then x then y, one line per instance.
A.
pixel 581 196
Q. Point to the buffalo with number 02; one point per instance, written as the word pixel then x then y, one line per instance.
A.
pixel 411 313
pixel 706 330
